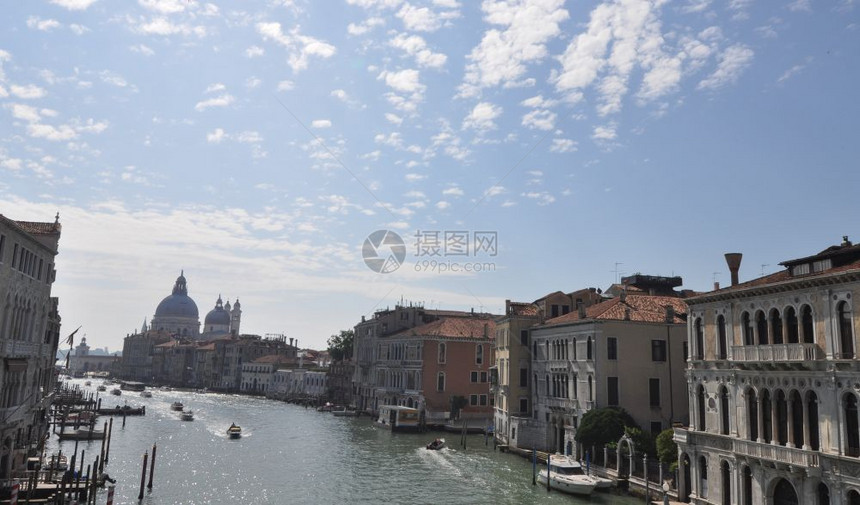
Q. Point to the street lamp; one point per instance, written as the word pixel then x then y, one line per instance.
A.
pixel 665 492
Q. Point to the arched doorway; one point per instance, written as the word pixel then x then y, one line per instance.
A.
pixel 685 464
pixel 823 494
pixel 747 486
pixel 853 497
pixel 784 493
pixel 726 477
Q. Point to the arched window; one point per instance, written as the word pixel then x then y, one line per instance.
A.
pixel 781 421
pixel 767 416
pixel 846 333
pixel 726 478
pixel 479 354
pixel 724 410
pixel 747 486
pixel 784 493
pixel 796 418
pixel 440 381
pixel 806 325
pixel 547 385
pixel 853 497
pixel 588 349
pixel 823 494
pixel 752 414
pixel 761 327
pixel 574 349
pixel 748 329
pixel 575 392
pixel 776 326
pixel 791 326
pixel 812 415
pixel 700 406
pixel 700 339
pixel 590 389
pixel 703 477
pixel 721 337
pixel 442 352
pixel 852 425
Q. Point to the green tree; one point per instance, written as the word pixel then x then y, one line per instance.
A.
pixel 340 346
pixel 667 449
pixel 643 441
pixel 603 426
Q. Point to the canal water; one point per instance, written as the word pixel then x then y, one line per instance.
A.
pixel 292 455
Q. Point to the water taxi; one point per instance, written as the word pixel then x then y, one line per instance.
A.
pixel 436 445
pixel 566 475
pixel 101 388
pixel 234 431
pixel 116 391
pixel 88 383
pixel 398 418
pixel 344 412
pixel 146 394
pixel 187 416
pixel 177 406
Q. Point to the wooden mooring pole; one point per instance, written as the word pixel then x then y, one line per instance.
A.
pixel 142 477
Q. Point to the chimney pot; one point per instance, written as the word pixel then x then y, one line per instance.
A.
pixel 733 260
pixel 716 285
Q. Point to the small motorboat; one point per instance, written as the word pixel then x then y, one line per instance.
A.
pixel 58 463
pixel 325 408
pixel 177 406
pixel 344 412
pixel 146 394
pixel 88 383
pixel 116 391
pixel 437 444
pixel 101 387
pixel 187 416
pixel 234 431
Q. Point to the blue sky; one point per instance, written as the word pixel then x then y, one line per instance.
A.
pixel 257 144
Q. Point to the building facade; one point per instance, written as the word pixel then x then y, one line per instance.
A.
pixel 29 336
pixel 774 386
pixel 627 351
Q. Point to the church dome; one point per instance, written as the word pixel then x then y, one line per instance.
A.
pixel 178 304
pixel 217 316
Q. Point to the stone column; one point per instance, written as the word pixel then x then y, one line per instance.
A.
pixel 774 420
pixel 790 415
pixel 805 407
pixel 760 409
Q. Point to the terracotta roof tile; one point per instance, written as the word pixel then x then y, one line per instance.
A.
pixel 640 308
pixel 275 358
pixel 38 228
pixel 453 327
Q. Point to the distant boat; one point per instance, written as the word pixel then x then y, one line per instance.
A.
pixel 146 394
pixel 437 444
pixel 88 383
pixel 177 406
pixel 116 391
pixel 344 412
pixel 325 408
pixel 234 431
pixel 101 388
pixel 187 416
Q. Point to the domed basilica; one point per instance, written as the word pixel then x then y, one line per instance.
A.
pixel 178 314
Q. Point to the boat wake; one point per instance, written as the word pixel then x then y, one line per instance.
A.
pixel 440 460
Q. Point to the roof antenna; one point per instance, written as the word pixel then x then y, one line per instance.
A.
pixel 762 268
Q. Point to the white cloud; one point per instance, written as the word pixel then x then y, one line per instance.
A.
pixel 538 102
pixel 540 119
pixel 800 5
pixel 405 81
pixel 163 26
pixel 393 118
pixel 27 92
pixel 216 136
pixel 732 63
pixel 695 6
pixel 44 25
pixel 602 133
pixel 142 49
pixel 113 79
pixel 220 101
pixel 163 6
pixel 212 88
pixel 365 26
pixel 320 123
pixel 252 82
pixel 415 46
pixel 442 205
pixel 414 177
pixel 563 146
pixel 791 72
pixel 542 197
pixel 49 132
pixel 421 19
pixel 78 29
pixel 249 137
pixel 254 52
pixel 453 191
pixel 74 5
pixel 299 47
pixel 482 116
pixel 286 85
pixel 502 55
pixel 24 112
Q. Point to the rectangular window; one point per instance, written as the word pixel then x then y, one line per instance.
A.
pixel 565 309
pixel 524 377
pixel 483 400
pixel 479 354
pixel 658 350
pixel 14 255
pixel 554 311
pixel 656 427
pixel 440 382
pixel 524 405
pixel 654 392
pixel 611 348
pixel 524 337
pixel 612 390
pixel 39 276
pixel 473 377
pixel 473 400
pixel 686 351
pixel 483 376
pixel 2 246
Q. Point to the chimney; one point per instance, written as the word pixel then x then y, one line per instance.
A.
pixel 734 262
pixel 581 308
pixel 507 307
pixel 291 341
pixel 670 314
pixel 716 285
pixel 486 330
pixel 626 314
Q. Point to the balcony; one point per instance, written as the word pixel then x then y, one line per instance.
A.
pixel 780 353
pixel 561 403
pixel 775 454
pixel 17 348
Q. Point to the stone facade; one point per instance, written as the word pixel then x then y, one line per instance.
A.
pixel 29 336
pixel 774 388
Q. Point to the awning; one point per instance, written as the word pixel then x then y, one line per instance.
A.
pixel 16 364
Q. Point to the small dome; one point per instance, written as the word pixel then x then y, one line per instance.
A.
pixel 217 316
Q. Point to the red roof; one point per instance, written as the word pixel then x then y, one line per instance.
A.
pixel 274 358
pixel 634 307
pixel 38 228
pixel 453 327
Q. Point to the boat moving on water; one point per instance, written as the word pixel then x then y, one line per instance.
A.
pixel 437 444
pixel 234 431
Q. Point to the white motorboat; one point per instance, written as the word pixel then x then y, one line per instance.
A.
pixel 566 475
pixel 234 431
pixel 146 394
pixel 187 415
pixel 177 406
